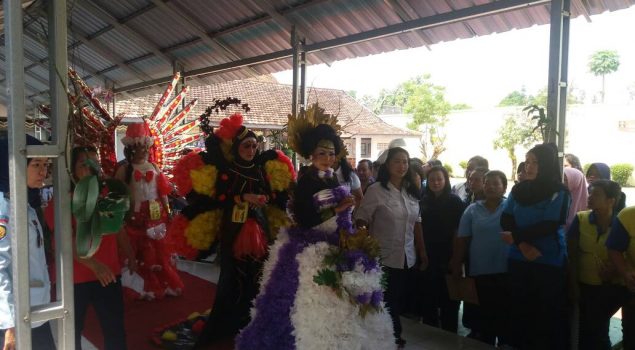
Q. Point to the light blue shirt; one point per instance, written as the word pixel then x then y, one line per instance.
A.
pixel 40 290
pixel 488 252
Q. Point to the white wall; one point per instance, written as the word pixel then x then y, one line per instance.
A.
pixel 592 135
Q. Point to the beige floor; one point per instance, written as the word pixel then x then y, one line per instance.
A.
pixel 417 335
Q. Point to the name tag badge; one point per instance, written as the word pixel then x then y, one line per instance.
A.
pixel 239 214
pixel 155 210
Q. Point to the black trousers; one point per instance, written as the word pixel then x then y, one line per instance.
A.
pixel 108 304
pixel 237 288
pixel 490 317
pixel 397 280
pixel 41 337
pixel 438 310
pixel 597 305
pixel 538 306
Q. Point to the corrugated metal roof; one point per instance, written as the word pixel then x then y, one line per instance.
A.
pixel 270 104
pixel 203 33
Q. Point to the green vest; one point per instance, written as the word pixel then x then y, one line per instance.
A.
pixel 592 251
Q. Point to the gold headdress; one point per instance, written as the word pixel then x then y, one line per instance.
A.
pixel 312 126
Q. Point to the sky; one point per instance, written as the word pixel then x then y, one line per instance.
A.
pixel 481 71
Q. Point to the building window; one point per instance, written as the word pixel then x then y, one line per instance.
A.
pixel 381 147
pixel 365 148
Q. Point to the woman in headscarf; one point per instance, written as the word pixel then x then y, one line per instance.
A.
pixel 315 292
pixel 40 283
pixel 576 183
pixel 233 194
pixel 533 221
pixel 601 171
pixel 598 171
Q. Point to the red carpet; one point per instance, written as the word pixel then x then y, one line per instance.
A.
pixel 142 318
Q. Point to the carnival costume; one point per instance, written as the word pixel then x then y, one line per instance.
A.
pixel 321 286
pixel 217 182
pixel 147 220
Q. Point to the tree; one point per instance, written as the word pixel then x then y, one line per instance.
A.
pixel 515 131
pixel 428 106
pixel 515 98
pixel 460 106
pixel 574 96
pixel 602 63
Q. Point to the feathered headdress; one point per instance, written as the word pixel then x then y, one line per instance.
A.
pixel 311 126
pixel 230 130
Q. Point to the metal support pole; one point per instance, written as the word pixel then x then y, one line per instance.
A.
pixel 558 72
pixel 294 89
pixel 17 169
pixel 58 80
pixel 303 99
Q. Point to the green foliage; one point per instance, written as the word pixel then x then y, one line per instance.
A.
pixel 620 173
pixel 586 167
pixel 448 167
pixel 426 102
pixel 521 98
pixel 543 123
pixel 541 97
pixel 516 98
pixel 515 131
pixel 327 277
pixel 428 106
pixel 352 93
pixel 460 106
pixel 419 96
pixel 463 165
pixel 604 62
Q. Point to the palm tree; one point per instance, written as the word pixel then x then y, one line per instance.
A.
pixel 602 63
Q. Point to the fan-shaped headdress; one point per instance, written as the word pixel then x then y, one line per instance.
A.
pixel 312 128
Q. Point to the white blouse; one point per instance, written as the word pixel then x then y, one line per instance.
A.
pixel 391 215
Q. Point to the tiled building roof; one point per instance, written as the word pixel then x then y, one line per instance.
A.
pixel 270 104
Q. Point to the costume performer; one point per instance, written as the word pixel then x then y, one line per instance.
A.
pixel 236 194
pixel 147 221
pixel 321 284
pixel 98 238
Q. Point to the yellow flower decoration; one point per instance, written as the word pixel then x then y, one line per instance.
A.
pixel 277 219
pixel 203 229
pixel 279 175
pixel 204 180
